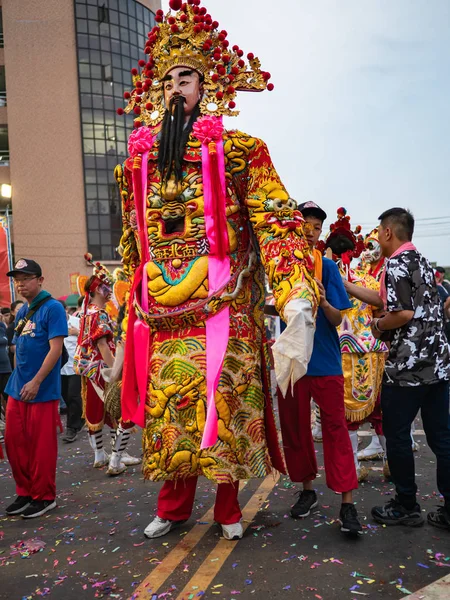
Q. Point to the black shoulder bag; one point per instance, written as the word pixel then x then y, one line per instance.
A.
pixel 23 322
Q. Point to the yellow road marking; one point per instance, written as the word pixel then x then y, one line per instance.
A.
pixel 217 557
pixel 168 565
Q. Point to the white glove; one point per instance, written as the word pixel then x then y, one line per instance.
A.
pixel 292 351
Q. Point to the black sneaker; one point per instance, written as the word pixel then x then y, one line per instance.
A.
pixel 439 518
pixel 38 508
pixel 70 436
pixel 19 505
pixel 393 513
pixel 349 520
pixel 307 500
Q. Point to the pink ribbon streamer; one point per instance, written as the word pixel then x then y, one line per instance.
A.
pixel 140 142
pixel 208 129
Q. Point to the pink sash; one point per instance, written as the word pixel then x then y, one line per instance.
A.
pixel 136 362
pixel 209 130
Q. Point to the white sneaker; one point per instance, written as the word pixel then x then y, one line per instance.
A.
pixel 101 459
pixel 159 527
pixel 373 450
pixel 130 460
pixel 233 531
pixel 317 432
pixel 415 446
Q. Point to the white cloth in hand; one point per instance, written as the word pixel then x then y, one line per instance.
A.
pixel 292 351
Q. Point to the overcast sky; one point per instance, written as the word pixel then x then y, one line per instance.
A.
pixel 360 112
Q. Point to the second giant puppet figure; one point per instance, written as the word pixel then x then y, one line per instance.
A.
pixel 205 214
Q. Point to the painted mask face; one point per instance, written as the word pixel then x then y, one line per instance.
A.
pixel 105 291
pixel 183 82
pixel 372 250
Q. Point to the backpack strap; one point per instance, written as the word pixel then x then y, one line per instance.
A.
pixel 21 326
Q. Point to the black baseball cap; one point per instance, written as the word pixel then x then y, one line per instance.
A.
pixel 311 208
pixel 26 266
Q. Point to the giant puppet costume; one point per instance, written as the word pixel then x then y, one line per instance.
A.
pixel 89 362
pixel 363 356
pixel 204 214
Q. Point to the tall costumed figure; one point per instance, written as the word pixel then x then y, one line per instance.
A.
pixel 205 216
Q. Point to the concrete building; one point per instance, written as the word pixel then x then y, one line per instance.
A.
pixel 64 66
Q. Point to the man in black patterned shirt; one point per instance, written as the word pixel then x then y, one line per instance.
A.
pixel 417 371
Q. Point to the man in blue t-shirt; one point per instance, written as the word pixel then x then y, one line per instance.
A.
pixel 324 382
pixel 34 391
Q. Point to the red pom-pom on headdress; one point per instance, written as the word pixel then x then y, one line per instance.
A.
pixel 175 4
pixel 342 227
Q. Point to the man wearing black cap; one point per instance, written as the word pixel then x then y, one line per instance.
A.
pixel 324 382
pixel 34 390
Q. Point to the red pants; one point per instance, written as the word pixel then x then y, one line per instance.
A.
pixel 175 501
pixel 375 419
pixel 295 419
pixel 32 447
pixel 94 408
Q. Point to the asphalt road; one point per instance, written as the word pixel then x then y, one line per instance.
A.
pixel 92 545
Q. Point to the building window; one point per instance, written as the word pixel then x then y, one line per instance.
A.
pixel 2 45
pixel 110 40
pixel 4 146
pixel 103 14
pixel 2 86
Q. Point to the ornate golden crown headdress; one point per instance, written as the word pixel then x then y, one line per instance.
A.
pixel 372 235
pixel 190 38
pixel 100 271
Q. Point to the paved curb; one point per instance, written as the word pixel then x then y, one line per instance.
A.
pixel 439 590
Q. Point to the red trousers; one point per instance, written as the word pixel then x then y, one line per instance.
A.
pixel 295 419
pixel 94 408
pixel 375 419
pixel 175 501
pixel 32 447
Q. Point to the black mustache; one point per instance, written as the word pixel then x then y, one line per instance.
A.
pixel 175 100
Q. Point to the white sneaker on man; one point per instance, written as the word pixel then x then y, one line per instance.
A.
pixel 130 461
pixel 159 527
pixel 233 531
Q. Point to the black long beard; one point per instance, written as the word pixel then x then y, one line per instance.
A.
pixel 174 137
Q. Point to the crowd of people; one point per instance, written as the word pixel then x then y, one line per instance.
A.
pixel 207 227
